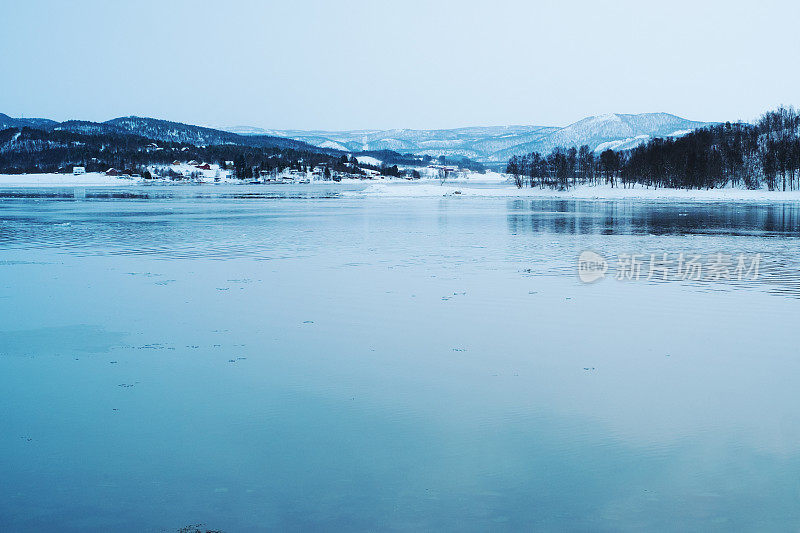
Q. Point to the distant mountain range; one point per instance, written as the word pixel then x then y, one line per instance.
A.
pixel 159 130
pixel 489 145
pixel 497 144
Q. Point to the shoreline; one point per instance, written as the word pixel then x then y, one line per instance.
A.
pixel 581 192
pixel 395 188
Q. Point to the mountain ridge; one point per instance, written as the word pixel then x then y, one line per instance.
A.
pixel 495 144
pixel 485 144
pixel 160 130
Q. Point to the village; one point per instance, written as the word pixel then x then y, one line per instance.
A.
pixel 202 172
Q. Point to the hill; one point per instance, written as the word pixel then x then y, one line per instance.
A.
pixel 497 144
pixel 160 130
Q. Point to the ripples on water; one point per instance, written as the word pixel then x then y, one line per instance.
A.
pixel 770 230
pixel 295 358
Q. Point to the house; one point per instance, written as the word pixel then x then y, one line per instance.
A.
pixel 78 170
pixel 193 162
pixel 176 162
pixel 112 172
pixel 370 173
pixel 204 166
pixel 295 176
pixel 268 176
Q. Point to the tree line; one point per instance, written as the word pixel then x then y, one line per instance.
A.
pixel 754 156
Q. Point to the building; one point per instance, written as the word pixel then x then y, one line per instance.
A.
pixel 78 170
pixel 112 172
pixel 269 176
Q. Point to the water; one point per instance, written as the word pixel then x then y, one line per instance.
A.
pixel 305 358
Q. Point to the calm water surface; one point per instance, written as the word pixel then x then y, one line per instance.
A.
pixel 308 358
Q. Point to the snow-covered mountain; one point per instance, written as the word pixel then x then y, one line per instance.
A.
pixel 490 145
pixel 614 131
pixel 497 144
pixel 477 143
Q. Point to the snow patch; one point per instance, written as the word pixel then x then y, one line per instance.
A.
pixel 333 145
pixel 369 160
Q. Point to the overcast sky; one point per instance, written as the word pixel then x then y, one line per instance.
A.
pixel 398 64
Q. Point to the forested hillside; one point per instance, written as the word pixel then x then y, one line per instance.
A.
pixel 30 150
pixel 41 145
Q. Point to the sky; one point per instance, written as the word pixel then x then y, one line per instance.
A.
pixel 396 64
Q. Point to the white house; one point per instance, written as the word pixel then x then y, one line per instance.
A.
pixel 78 170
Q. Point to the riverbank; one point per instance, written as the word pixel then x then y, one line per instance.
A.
pixel 581 192
pixel 492 186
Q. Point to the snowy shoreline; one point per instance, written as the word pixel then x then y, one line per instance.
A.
pixel 581 192
pixel 493 187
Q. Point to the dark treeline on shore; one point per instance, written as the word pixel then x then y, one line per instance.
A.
pixel 766 154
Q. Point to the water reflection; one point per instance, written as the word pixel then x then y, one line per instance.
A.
pixel 581 217
pixel 620 228
pixel 269 223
